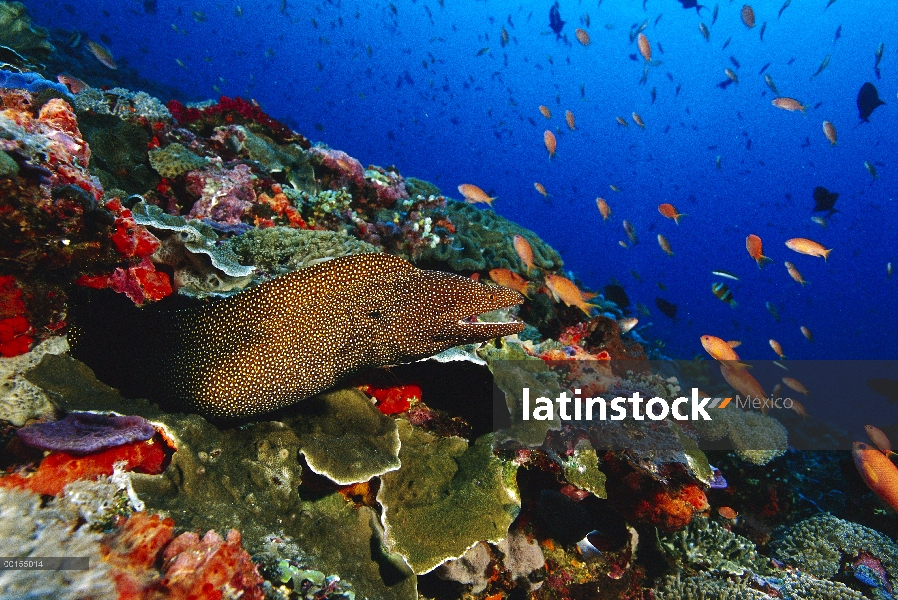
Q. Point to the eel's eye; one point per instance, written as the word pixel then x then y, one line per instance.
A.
pixel 374 314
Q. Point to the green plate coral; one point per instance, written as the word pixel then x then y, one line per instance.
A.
pixel 446 497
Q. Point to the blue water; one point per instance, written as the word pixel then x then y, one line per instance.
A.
pixel 402 84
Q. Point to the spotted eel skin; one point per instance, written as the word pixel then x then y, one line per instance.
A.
pixel 297 335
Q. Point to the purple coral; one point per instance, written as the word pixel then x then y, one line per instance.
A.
pixel 86 433
pixel 225 195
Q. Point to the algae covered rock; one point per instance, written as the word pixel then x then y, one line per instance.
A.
pixel 821 544
pixel 484 240
pixel 281 250
pixel 21 399
pixel 446 497
pixel 581 470
pixel 118 153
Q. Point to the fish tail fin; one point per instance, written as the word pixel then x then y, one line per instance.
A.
pixel 826 253
pixel 733 304
pixel 763 260
pixel 699 7
pixel 588 311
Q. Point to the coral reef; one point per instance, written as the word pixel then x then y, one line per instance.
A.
pixel 22 400
pixel 704 545
pixel 483 241
pixel 446 497
pixel 191 250
pixel 175 160
pixel 822 544
pixel 755 437
pixel 17 32
pixel 203 119
pixel 85 433
pixel 33 82
pixel 280 250
pixel 136 107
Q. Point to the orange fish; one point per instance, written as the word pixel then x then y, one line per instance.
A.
pixel 727 513
pixel 569 117
pixel 665 245
pixel 878 472
pixel 879 438
pixel 545 110
pixel 567 291
pixel 756 249
pixel 550 141
pixel 796 385
pixel 474 194
pixel 670 212
pixel 541 189
pixel 524 250
pixel 604 209
pixel 794 274
pixel 637 118
pixel 790 104
pixel 621 121
pixel 75 85
pixel 777 348
pixel 829 130
pixel 807 333
pixel 744 382
pixel 645 48
pixel 719 349
pixel 799 409
pixel 582 36
pixel 510 279
pixel 748 16
pixel 101 54
pixel 809 247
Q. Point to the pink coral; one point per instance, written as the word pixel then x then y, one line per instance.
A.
pixel 204 568
pixel 337 170
pixel 225 195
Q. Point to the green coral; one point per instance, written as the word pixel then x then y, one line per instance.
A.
pixel 246 478
pixel 796 585
pixel 17 32
pixel 703 545
pixel 22 400
pixel 581 469
pixel 123 104
pixel 290 159
pixel 484 240
pixel 419 187
pixel 279 250
pixel 175 160
pixel 8 167
pixel 820 544
pixel 705 586
pixel 201 265
pixel 446 497
pixel 346 438
pixel 755 437
pixel 118 152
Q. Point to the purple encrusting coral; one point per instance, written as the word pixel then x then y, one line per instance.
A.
pixel 86 433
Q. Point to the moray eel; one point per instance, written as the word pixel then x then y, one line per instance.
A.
pixel 297 335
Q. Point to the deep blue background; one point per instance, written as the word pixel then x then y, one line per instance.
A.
pixel 340 72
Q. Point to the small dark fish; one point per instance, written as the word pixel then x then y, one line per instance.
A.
pixel 791 60
pixel 482 51
pixel 828 4
pixel 654 94
pixel 726 83
pixel 764 68
pixel 823 65
pixel 667 308
pixel 724 293
pixel 763 29
pixel 714 15
pixel 785 6
pixel 660 48
pixel 149 7
pixel 735 62
pixel 555 21
pixel 824 200
pixel 838 34
pixel 691 4
pixel 867 101
pixel 879 52
pixel 616 294
pixel 885 387
pixel 726 43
